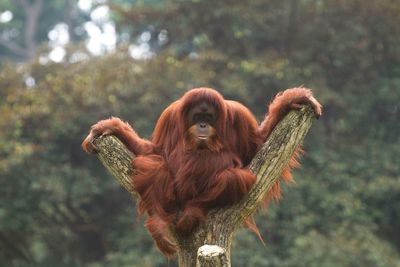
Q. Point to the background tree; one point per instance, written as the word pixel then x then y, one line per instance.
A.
pixel 59 208
pixel 30 22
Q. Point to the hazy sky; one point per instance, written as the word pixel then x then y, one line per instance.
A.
pixel 102 37
pixel 101 33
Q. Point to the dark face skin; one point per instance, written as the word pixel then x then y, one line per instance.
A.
pixel 202 119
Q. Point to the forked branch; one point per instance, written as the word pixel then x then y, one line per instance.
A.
pixel 221 224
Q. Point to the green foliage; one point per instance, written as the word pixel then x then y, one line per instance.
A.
pixel 59 207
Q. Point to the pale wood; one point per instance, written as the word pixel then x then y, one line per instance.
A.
pixel 221 223
pixel 211 256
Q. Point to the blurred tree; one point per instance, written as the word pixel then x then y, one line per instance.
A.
pixel 60 208
pixel 30 23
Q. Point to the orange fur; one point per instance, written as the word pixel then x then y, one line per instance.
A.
pixel 177 181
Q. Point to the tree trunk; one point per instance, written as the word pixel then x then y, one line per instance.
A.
pixel 221 223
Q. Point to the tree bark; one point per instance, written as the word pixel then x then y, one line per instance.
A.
pixel 221 223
